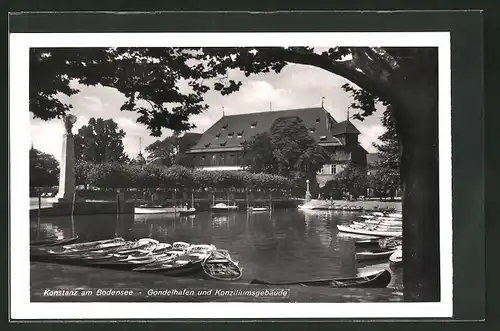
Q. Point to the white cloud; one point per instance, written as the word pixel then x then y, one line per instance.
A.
pixel 92 103
pixel 369 135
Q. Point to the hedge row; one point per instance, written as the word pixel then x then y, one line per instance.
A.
pixel 113 175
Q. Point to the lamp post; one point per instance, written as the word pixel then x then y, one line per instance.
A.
pixel 308 194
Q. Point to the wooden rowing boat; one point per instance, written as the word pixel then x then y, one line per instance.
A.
pixel 376 254
pixel 396 258
pixel 373 242
pixel 258 209
pixel 378 279
pixel 54 242
pixel 219 265
pixel 366 232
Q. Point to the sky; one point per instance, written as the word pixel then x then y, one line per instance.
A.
pixel 296 86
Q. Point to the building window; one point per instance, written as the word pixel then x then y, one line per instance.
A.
pixel 240 134
pixel 223 143
pixel 312 130
pixel 224 127
pixel 207 144
pixel 217 135
pixel 333 169
pixel 230 134
pixel 318 119
pixel 322 138
pixel 253 125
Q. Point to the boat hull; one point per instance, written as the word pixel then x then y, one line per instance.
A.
pixel 347 229
pixel 156 210
pixel 379 279
pixel 377 255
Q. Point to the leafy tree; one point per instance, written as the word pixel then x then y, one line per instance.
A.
pixel 288 150
pixel 44 169
pixel 100 141
pixel 296 153
pixel 353 180
pixel 171 150
pixel 258 154
pixel 404 77
pixel 332 190
pixel 386 177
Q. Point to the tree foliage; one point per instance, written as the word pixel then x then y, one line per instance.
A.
pixel 258 154
pixel 44 169
pixel 100 141
pixel 332 190
pixel 149 77
pixel 154 176
pixel 171 150
pixel 288 150
pixel 353 180
pixel 386 178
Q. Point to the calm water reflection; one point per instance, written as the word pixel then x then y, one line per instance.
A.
pixel 283 245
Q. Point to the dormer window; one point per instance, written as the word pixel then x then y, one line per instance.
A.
pixel 207 144
pixel 217 135
pixel 243 142
pixel 230 134
pixel 312 130
pixel 322 138
pixel 224 126
pixel 318 119
pixel 253 125
pixel 240 134
pixel 223 143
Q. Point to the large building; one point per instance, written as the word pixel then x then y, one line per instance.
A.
pixel 221 146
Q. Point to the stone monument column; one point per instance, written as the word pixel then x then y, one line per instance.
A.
pixel 67 173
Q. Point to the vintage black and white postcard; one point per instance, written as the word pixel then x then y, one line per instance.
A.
pixel 246 171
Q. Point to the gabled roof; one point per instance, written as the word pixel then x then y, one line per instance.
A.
pixel 344 127
pixel 234 130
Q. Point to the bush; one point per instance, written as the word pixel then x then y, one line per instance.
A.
pixel 114 175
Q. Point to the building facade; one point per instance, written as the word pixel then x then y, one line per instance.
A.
pixel 221 146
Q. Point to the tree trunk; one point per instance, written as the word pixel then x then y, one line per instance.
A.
pixel 418 129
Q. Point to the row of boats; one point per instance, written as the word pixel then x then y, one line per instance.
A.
pixel 385 237
pixel 177 259
pixel 143 255
pixel 219 207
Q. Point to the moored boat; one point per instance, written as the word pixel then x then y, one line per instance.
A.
pixel 372 242
pixel 219 265
pixel 223 207
pixel 378 279
pixel 375 254
pixel 54 242
pixel 258 209
pixel 369 232
pixel 396 258
pixel 180 245
pixel 187 211
pixel 144 209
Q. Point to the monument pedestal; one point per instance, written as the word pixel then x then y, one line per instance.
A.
pixel 67 173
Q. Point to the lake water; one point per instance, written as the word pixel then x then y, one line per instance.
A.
pixel 284 245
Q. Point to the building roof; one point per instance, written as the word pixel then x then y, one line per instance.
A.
pixel 234 130
pixel 344 127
